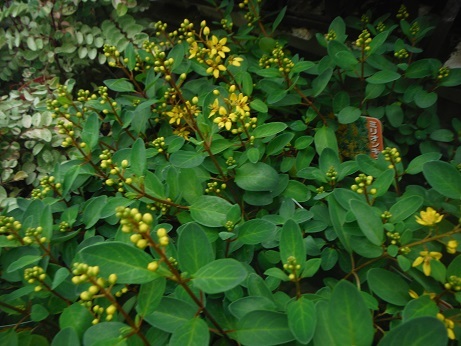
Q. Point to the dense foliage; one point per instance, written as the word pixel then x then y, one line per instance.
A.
pixel 222 192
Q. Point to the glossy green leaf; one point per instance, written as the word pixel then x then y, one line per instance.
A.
pixel 23 262
pixel 38 313
pixel 369 222
pixel 92 211
pixel 263 328
pixel 257 286
pixel 259 106
pixel 194 248
pixel 138 157
pixel 324 335
pixel 90 133
pixel 421 331
pixel 191 333
pixel 389 286
pixel 256 177
pixel 256 231
pixel 416 165
pixel 442 135
pixel 405 207
pixel 395 114
pixel 302 319
pixel 350 318
pixel 291 243
pixel 421 68
pixel 76 317
pixel 127 262
pixel 150 295
pixel 105 333
pixel 243 306
pixel 349 115
pixel 66 336
pixel 130 54
pixel 186 159
pixel 325 137
pixel 170 314
pixel 210 211
pixel 444 178
pixel 269 129
pixel 422 306
pixel 120 85
pixel 383 77
pixel 219 276
pixel 321 81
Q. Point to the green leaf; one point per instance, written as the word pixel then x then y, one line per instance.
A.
pixel 325 137
pixel 149 296
pixel 297 191
pixel 90 133
pixel 395 114
pixel 269 129
pixel 421 331
pixel 416 165
pixel 38 313
pixel 302 66
pixel 130 54
pixel 22 262
pixel 210 211
pixel 424 99
pixel 219 276
pixel 279 18
pixel 170 314
pixel 253 155
pixel 404 208
pixel 186 159
pixel 369 222
pixel 302 319
pixel 263 328
pixel 120 85
pixel 127 262
pixel 338 218
pixel 389 286
pixel 291 243
pixel 453 79
pixel 276 145
pixel 349 114
pixel 243 306
pixel 256 286
pixel 383 77
pixel 422 306
pixel 311 267
pixel 442 135
pixel 138 157
pixel 256 231
pixel 321 81
pixel 324 335
pixel 259 106
pixel 444 178
pixel 76 317
pixel 194 248
pixel 66 336
pixel 191 333
pixel 105 333
pixel 421 68
pixel 153 185
pixel 350 318
pixel 92 211
pixel 256 177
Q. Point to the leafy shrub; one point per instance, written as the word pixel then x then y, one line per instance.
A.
pixel 206 199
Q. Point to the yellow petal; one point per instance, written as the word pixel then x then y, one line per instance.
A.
pixel 417 261
pixel 427 268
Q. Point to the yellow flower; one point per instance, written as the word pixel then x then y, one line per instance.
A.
pixel 214 108
pixel 193 50
pixel 429 217
pixel 240 103
pixel 449 324
pixel 225 120
pixel 235 61
pixel 182 132
pixel 425 258
pixel 218 46
pixel 215 67
pixel 175 114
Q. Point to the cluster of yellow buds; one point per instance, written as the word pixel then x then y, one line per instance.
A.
pixel 449 324
pixel 231 161
pixel 47 184
pixel 112 54
pixel 227 24
pixel 364 19
pixel 35 275
pixel 33 236
pixel 277 59
pixel 444 72
pixel 454 283
pixel 402 13
pixel 213 187
pixel 64 226
pixel 401 54
pixel 405 250
pixel 394 237
pixel 85 95
pixel 332 175
pixel 162 207
pixel 229 225
pixel 292 267
pixel 452 246
pixel 392 155
pixel 162 236
pixel 68 130
pixel 362 181
pixel 380 27
pixel 159 144
pixel 364 40
pixel 133 221
pixel 253 11
pixel 331 35
pixel 414 29
pixel 385 216
pixel 10 227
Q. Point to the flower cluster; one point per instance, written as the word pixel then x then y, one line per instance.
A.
pixel 452 246
pixel 392 155
pixel 449 324
pixel 401 54
pixel 132 221
pixel 331 35
pixel 215 187
pixel 453 283
pixel 47 184
pixel 362 181
pixel 444 72
pixel 292 267
pixel 35 275
pixel 112 54
pixel 402 13
pixel 364 40
pixel 277 59
pixel 10 227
